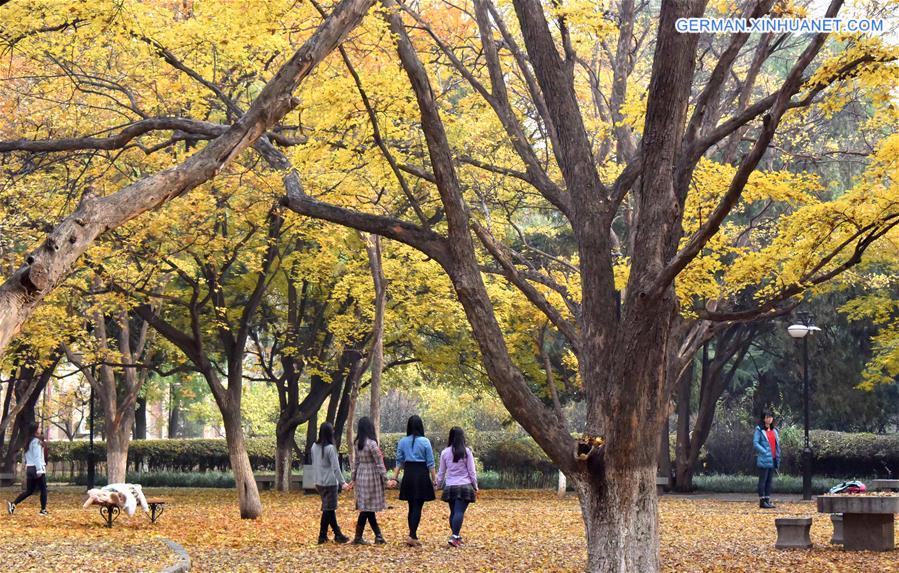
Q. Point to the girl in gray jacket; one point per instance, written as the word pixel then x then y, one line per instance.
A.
pixel 328 481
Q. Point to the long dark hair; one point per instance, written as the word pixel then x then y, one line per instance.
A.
pixel 415 428
pixel 456 441
pixel 325 435
pixel 766 414
pixel 365 430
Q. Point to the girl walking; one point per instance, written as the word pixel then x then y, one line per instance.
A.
pixel 369 479
pixel 459 480
pixel 415 457
pixel 35 472
pixel 767 449
pixel 328 482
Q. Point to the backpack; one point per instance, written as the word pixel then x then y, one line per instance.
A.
pixel 849 487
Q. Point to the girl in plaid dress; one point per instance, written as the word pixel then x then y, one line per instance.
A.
pixel 459 480
pixel 369 479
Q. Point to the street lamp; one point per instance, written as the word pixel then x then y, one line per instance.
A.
pixel 801 330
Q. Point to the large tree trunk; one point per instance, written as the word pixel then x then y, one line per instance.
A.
pixel 118 438
pixel 244 482
pixel 621 515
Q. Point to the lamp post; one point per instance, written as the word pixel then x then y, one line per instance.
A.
pixel 801 330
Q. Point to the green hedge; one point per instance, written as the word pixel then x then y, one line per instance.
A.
pixel 498 451
pixel 172 455
pixel 837 454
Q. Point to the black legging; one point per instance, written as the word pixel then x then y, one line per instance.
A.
pixel 415 507
pixel 372 520
pixel 329 519
pixel 33 482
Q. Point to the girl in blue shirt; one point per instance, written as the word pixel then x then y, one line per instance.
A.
pixel 415 460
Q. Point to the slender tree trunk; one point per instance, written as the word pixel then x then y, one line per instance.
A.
pixel 284 441
pixel 373 247
pixel 140 420
pixel 351 414
pixel 683 472
pixel 174 413
pixel 7 400
pixel 311 433
pixel 664 451
pixel 244 482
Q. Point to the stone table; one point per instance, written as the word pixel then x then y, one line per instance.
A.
pixel 867 519
pixel 885 485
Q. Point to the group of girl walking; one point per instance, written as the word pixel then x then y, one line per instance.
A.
pixel 415 473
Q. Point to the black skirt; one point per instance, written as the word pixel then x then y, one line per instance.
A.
pixel 417 484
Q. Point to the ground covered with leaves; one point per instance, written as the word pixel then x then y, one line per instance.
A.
pixel 505 531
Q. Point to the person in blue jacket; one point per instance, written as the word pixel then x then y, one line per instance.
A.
pixel 415 460
pixel 767 456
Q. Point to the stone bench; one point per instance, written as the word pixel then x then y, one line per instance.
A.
pixel 793 532
pixel 837 520
pixel 885 485
pixel 867 520
pixel 662 483
pixel 268 482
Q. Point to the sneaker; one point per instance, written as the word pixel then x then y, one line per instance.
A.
pixel 360 541
pixel 44 512
pixel 454 541
pixel 322 540
pixel 412 542
pixel 340 538
pixel 380 540
pixel 10 507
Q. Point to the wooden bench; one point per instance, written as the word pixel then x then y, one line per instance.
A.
pixel 793 532
pixel 110 511
pixel 157 505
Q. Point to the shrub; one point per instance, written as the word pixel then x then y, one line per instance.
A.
pixel 837 454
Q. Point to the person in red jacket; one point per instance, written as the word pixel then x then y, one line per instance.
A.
pixel 767 449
